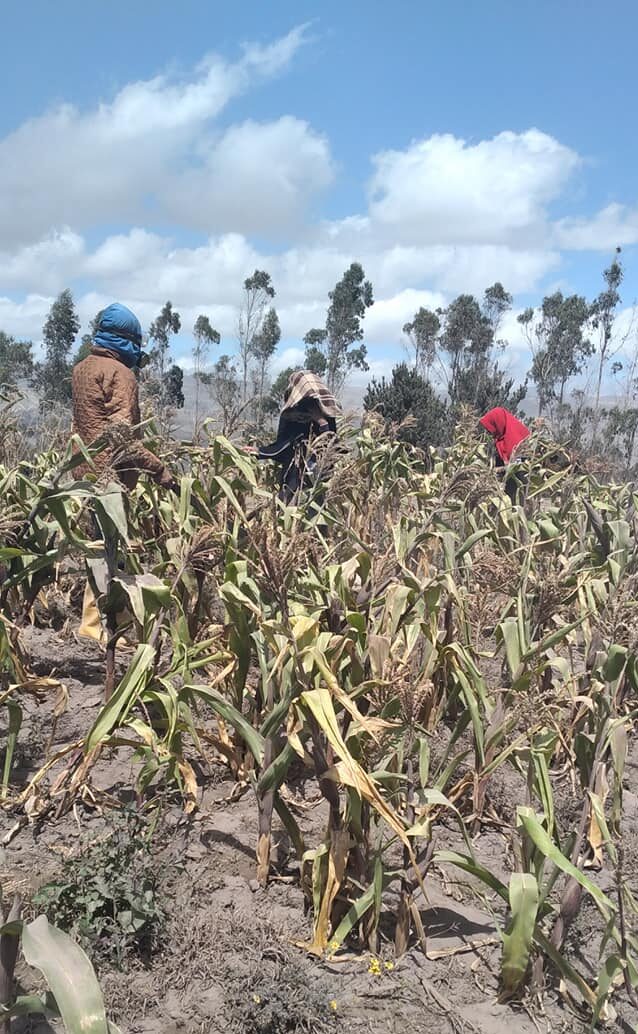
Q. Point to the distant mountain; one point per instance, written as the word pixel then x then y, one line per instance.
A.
pixel 351 399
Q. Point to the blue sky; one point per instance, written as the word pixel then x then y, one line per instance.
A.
pixel 145 153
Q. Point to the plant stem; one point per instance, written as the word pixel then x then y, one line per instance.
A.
pixel 8 956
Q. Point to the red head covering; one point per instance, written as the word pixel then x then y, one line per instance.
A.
pixel 505 429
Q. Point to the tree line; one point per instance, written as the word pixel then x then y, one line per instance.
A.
pixel 239 384
pixel 456 356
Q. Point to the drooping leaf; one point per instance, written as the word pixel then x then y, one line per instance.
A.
pixel 69 974
pixel 517 942
pixel 124 697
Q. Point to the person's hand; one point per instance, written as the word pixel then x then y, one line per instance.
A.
pixel 167 480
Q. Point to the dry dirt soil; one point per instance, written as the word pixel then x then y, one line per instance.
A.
pixel 229 959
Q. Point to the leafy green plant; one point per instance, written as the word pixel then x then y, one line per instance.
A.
pixel 74 997
pixel 107 896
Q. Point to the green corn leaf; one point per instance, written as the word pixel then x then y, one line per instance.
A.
pixel 517 942
pixel 612 966
pixel 243 463
pixel 474 868
pixel 564 967
pixel 273 777
pixel 540 838
pixel 230 714
pixel 615 663
pixel 599 812
pixel 508 632
pixel 29 1005
pixel 69 974
pixel 472 698
pixel 15 722
pixel 111 512
pixel 185 504
pixel 552 640
pixel 360 906
pixel 424 761
pixel 228 491
pixel 290 825
pixel 146 594
pixel 471 541
pixel 10 553
pixel 124 697
pixel 233 595
pixel 29 568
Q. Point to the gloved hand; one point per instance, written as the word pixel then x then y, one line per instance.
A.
pixel 167 480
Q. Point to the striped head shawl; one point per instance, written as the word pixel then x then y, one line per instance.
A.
pixel 305 385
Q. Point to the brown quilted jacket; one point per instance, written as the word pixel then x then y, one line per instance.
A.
pixel 105 393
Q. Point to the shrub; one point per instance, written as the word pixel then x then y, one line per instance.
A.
pixel 107 895
pixel 406 395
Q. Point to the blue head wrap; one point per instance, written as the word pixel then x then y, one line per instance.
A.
pixel 120 331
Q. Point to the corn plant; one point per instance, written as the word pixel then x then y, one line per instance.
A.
pixel 404 633
pixel 75 996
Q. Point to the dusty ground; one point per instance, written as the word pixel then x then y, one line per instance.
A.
pixel 229 961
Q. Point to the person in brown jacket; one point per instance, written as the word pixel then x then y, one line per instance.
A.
pixel 106 394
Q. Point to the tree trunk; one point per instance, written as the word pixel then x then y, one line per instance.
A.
pixel 196 428
pixel 244 359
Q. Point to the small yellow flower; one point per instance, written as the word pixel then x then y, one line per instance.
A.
pixel 256 999
pixel 389 966
pixel 333 946
pixel 333 1004
pixel 374 967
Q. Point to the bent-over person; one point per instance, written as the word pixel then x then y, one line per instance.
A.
pixel 508 433
pixel 310 410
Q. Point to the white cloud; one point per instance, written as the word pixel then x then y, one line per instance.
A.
pixel 614 226
pixel 285 358
pixel 443 190
pixel 121 254
pixel 49 263
pixel 385 320
pixel 24 319
pixel 127 159
pixel 443 216
pixel 257 178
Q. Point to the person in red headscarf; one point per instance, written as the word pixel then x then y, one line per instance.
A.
pixel 508 432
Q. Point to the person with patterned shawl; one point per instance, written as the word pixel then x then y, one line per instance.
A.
pixel 310 410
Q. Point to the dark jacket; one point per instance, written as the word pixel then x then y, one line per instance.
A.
pixel 290 450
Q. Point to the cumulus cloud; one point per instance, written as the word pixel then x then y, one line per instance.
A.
pixel 49 263
pixel 23 319
pixel 445 191
pixel 615 225
pixel 286 357
pixel 387 317
pixel 257 178
pixel 143 155
pixel 440 217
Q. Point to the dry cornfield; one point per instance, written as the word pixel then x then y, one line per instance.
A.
pixel 399 647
